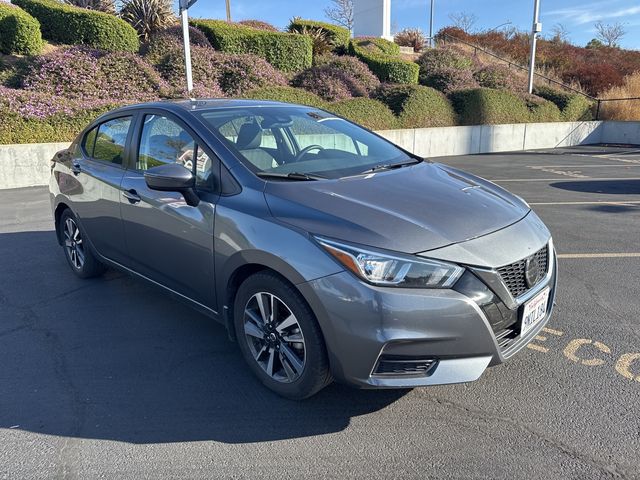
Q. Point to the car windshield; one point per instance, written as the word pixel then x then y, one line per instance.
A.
pixel 301 143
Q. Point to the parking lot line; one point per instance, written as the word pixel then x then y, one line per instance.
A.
pixel 601 202
pixel 598 255
pixel 611 165
pixel 564 179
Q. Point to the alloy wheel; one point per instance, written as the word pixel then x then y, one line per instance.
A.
pixel 274 337
pixel 73 243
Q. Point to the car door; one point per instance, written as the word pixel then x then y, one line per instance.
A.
pixel 169 241
pixel 98 166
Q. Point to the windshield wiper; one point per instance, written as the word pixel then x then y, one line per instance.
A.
pixel 291 176
pixel 390 166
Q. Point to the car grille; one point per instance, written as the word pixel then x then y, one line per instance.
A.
pixel 513 275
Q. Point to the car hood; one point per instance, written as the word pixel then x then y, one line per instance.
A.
pixel 410 210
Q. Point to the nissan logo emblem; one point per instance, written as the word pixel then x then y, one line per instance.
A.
pixel 532 271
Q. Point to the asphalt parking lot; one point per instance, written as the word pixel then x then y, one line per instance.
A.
pixel 110 378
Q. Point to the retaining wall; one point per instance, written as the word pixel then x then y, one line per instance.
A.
pixel 29 165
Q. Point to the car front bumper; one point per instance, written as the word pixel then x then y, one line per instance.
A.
pixel 452 332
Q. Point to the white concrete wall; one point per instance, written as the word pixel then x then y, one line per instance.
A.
pixel 29 165
pixel 372 18
pixel 621 132
pixel 439 142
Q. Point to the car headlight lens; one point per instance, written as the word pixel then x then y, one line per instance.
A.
pixel 393 270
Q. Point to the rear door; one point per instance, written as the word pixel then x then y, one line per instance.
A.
pixel 169 241
pixel 98 166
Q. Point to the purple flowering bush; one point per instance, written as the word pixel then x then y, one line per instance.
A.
pixel 363 79
pixel 233 74
pixel 79 72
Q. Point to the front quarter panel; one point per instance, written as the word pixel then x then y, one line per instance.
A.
pixel 247 234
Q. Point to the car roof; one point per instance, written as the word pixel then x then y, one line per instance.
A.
pixel 191 105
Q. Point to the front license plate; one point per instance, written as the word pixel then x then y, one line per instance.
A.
pixel 534 311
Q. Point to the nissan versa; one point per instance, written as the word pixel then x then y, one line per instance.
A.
pixel 326 251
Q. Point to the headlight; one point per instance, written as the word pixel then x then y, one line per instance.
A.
pixel 393 270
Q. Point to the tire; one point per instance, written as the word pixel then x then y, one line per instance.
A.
pixel 77 251
pixel 270 357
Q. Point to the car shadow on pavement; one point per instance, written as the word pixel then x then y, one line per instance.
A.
pixel 112 358
pixel 609 187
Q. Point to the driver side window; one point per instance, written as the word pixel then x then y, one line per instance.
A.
pixel 164 141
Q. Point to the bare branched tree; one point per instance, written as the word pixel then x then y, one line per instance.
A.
pixel 107 6
pixel 610 33
pixel 463 20
pixel 560 34
pixel 341 12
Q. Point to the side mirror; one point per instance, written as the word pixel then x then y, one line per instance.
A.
pixel 173 178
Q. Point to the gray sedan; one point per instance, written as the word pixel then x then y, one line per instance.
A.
pixel 326 251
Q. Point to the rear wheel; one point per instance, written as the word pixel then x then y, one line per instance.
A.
pixel 279 337
pixel 80 257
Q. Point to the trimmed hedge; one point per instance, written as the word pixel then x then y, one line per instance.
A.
pixel 574 107
pixel 285 51
pixel 417 106
pixel 287 95
pixel 486 106
pixel 338 36
pixel 367 112
pixel 387 67
pixel 19 32
pixel 541 110
pixel 71 25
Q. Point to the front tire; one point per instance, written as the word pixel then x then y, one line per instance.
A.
pixel 279 337
pixel 77 251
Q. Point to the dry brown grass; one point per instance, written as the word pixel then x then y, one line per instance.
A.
pixel 623 110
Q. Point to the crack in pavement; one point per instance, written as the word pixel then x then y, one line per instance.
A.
pixel 611 470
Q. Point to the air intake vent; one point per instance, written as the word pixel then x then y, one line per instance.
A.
pixel 389 365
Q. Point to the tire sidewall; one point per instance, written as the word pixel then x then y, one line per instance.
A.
pixel 315 373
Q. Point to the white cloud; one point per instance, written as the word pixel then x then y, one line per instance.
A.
pixel 593 12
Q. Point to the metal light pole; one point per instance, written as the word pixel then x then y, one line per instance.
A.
pixel 228 10
pixel 431 25
pixel 535 30
pixel 184 16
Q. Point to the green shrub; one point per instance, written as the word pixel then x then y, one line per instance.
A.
pixel 496 76
pixel 437 58
pixel 387 67
pixel 19 31
pixel 417 106
pixel 288 95
pixel 70 25
pixel 338 36
pixel 286 51
pixel 370 113
pixel 486 106
pixel 541 110
pixel 58 128
pixel 379 45
pixel 574 107
pixel 449 80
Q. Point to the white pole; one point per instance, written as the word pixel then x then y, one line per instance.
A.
pixel 431 44
pixel 537 28
pixel 187 49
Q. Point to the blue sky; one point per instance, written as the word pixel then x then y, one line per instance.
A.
pixel 577 16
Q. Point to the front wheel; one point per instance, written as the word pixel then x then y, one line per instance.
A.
pixel 279 337
pixel 79 256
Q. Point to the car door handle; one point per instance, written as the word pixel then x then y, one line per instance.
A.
pixel 75 168
pixel 132 196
